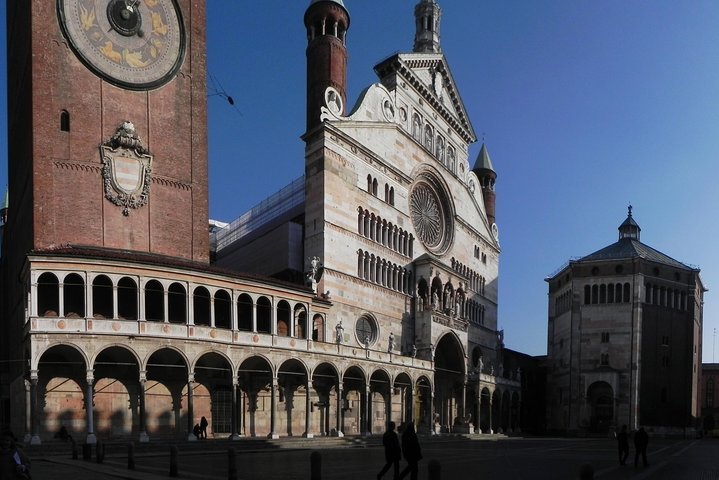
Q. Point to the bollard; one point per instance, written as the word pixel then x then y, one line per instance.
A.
pixel 86 452
pixel 586 472
pixel 131 456
pixel 434 469
pixel 173 462
pixel 231 464
pixel 316 466
pixel 99 451
pixel 74 449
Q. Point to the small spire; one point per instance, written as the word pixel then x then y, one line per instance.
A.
pixel 629 227
pixel 630 210
pixel 427 14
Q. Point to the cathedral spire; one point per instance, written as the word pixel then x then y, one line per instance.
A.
pixel 427 14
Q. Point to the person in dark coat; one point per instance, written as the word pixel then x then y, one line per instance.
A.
pixel 641 440
pixel 623 445
pixel 412 451
pixel 392 451
pixel 203 427
pixel 196 431
pixel 14 464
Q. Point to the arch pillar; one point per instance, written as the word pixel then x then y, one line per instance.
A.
pixel 89 421
pixel 34 426
pixel 144 438
pixel 236 414
pixel 308 408
pixel 190 407
pixel 338 426
pixel 366 429
pixel 273 404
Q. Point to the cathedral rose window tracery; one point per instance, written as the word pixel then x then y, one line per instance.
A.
pixel 430 213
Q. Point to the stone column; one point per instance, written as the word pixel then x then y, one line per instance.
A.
pixel 115 313
pixel 34 426
pixel 190 407
pixel 235 409
pixel 89 393
pixel 490 412
pixel 144 438
pixel 339 410
pixel 254 316
pixel 273 408
pixel 478 414
pixel 431 413
pixel 389 404
pixel 366 429
pixel 308 408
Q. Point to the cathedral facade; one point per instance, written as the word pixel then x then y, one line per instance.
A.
pixel 122 317
pixel 624 340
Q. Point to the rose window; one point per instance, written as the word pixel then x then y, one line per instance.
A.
pixel 428 212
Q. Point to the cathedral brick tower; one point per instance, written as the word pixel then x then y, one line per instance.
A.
pixel 108 142
pixel 327 22
pixel 487 177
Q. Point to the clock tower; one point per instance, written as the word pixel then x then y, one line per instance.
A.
pixel 108 128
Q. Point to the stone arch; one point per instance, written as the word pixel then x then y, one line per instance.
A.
pixel 244 312
pixel 177 303
pixel 154 301
pixel 102 297
pixel 485 412
pixel 505 415
pixel 318 328
pixel 402 399
pixel 379 408
pixel 166 390
pixel 264 315
pixel 292 378
pixel 450 368
pixel 354 381
pixel 48 295
pixel 284 318
pixel 61 388
pixel 256 375
pixel 326 382
pixel 600 399
pixel 422 409
pixel 223 307
pixel 127 299
pixel 201 306
pixel 73 294
pixel 214 372
pixel 117 389
pixel 299 318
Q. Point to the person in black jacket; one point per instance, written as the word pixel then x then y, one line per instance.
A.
pixel 641 440
pixel 392 451
pixel 623 445
pixel 411 450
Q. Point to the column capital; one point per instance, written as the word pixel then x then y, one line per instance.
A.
pixel 143 375
pixel 33 375
pixel 90 375
pixel 191 377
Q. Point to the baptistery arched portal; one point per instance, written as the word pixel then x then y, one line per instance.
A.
pixel 61 391
pixel 256 377
pixel 212 396
pixel 600 398
pixel 166 401
pixel 449 381
pixel 117 392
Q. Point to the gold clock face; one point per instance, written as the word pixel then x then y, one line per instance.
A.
pixel 135 44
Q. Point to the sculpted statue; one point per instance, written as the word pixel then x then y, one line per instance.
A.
pixel 339 332
pixel 390 342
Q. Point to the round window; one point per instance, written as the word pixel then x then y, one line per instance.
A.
pixel 431 214
pixel 366 330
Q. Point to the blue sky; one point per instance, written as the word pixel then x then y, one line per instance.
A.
pixel 586 106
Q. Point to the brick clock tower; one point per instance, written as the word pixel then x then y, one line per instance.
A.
pixel 108 126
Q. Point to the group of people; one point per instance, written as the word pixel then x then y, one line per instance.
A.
pixel 200 429
pixel 393 452
pixel 641 441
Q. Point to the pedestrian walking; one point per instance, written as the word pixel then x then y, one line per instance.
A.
pixel 641 441
pixel 623 445
pixel 392 451
pixel 412 451
pixel 203 427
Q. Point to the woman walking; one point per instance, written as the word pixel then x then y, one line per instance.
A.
pixel 411 450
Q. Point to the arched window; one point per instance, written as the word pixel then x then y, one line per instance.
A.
pixel 127 299
pixel 391 195
pixel 318 328
pixel 602 293
pixel 626 293
pixel 369 183
pixel 648 293
pixel 374 187
pixel 386 193
pixel 154 301
pixel 177 303
pixel 283 319
pixel 102 297
pixel 74 296
pixel 244 313
pixel 439 153
pixel 264 315
pixel 451 158
pixel 618 293
pixel 610 293
pixel 416 127
pixel 595 294
pixel 300 318
pixel 222 309
pixel 64 121
pixel 48 295
pixel 201 306
pixel 587 295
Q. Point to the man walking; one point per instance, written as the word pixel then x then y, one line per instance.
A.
pixel 623 444
pixel 392 451
pixel 641 440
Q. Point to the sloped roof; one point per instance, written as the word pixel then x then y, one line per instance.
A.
pixel 483 161
pixel 630 248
